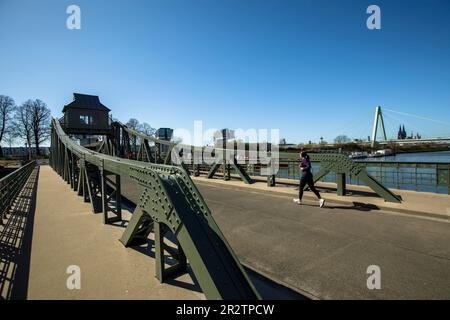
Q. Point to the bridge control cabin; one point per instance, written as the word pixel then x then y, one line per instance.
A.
pixel 86 115
pixel 164 134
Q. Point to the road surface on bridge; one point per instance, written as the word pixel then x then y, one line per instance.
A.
pixel 324 253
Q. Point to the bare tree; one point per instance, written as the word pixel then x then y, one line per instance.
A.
pixel 10 136
pixel 146 129
pixel 342 139
pixel 133 124
pixel 23 123
pixel 7 107
pixel 40 123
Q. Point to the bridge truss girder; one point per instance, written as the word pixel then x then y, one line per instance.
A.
pixel 343 166
pixel 131 144
pixel 169 201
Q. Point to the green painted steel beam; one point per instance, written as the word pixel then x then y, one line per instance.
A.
pixel 169 197
pixel 343 166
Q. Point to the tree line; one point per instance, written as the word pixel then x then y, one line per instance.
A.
pixel 29 122
pixel 144 127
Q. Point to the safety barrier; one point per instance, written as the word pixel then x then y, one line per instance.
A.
pixel 11 185
pixel 169 202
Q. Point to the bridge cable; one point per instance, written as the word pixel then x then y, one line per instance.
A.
pixel 418 117
pixel 395 127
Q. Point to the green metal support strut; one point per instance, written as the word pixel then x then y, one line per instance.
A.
pixel 169 203
pixel 343 166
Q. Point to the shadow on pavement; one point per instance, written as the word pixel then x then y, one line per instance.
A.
pixel 267 288
pixel 15 242
pixel 270 290
pixel 359 206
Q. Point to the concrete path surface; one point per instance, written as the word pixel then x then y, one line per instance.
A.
pixel 66 233
pixel 325 253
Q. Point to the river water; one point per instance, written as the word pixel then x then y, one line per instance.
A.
pixel 440 156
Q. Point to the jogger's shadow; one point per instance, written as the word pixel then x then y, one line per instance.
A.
pixel 359 206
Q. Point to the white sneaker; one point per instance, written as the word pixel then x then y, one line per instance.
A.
pixel 321 203
pixel 297 201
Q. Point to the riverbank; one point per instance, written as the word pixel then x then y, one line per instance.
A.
pixel 366 147
pixel 430 156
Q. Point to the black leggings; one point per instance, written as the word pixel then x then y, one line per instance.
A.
pixel 307 180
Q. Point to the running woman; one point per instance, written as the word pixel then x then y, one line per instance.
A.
pixel 307 179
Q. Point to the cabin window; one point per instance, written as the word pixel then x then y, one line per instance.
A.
pixel 85 119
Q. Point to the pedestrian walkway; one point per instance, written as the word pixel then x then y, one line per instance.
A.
pixel 67 233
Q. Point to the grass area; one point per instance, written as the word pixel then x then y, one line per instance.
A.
pixel 9 163
pixel 14 162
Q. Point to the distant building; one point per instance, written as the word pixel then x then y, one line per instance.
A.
pixel 166 135
pixel 402 135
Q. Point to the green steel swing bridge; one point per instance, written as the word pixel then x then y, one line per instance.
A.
pixel 168 202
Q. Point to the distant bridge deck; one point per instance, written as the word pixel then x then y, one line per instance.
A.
pixel 321 253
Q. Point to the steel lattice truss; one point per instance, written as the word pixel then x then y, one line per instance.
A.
pixel 169 202
pixel 340 164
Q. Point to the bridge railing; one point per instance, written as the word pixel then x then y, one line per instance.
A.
pixel 227 161
pixel 168 202
pixel 415 176
pixel 329 163
pixel 11 185
pixel 422 176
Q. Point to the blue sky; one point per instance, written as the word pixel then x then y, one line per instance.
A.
pixel 308 68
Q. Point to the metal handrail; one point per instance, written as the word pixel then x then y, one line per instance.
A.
pixel 168 200
pixel 144 136
pixel 11 185
pixel 404 175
